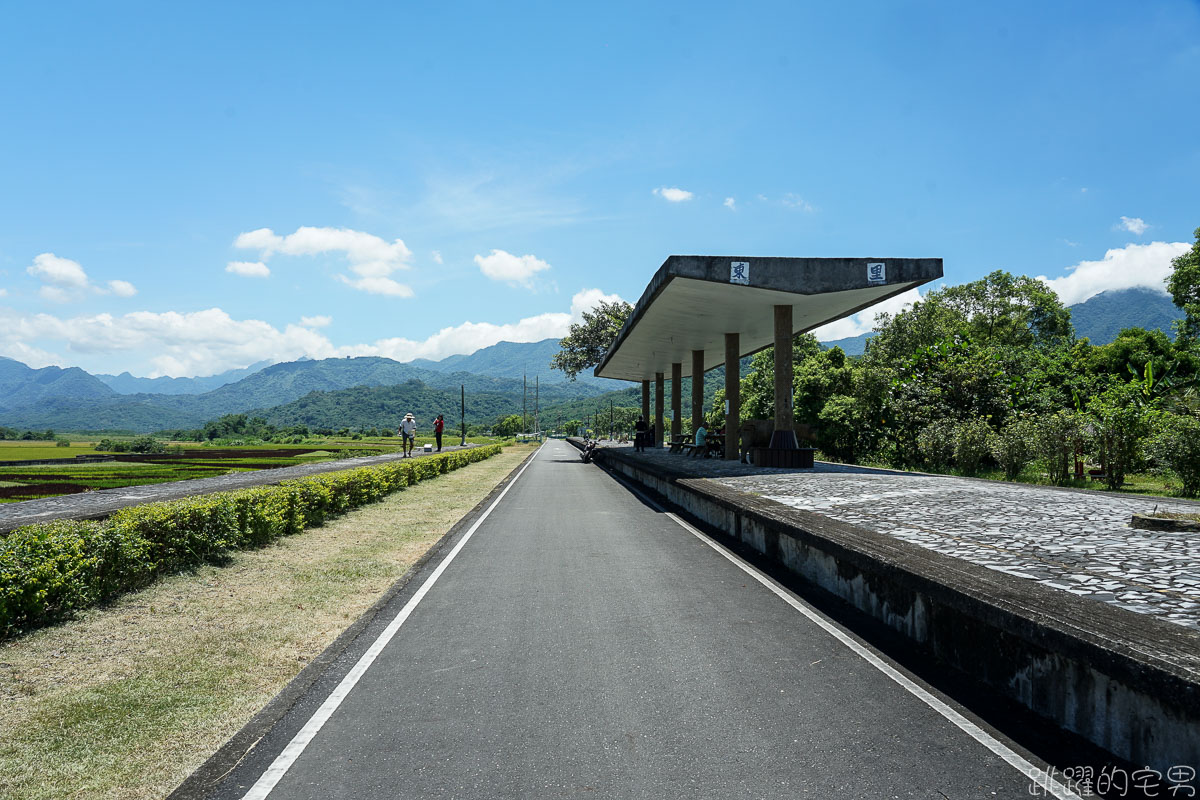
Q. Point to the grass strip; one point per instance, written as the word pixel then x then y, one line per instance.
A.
pixel 127 700
pixel 50 570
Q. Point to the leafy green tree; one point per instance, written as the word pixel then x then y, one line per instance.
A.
pixel 971 440
pixel 1011 446
pixel 1055 439
pixel 845 428
pixel 1001 309
pixel 586 342
pixel 508 426
pixel 1184 286
pixel 936 444
pixel 1119 421
pixel 1176 445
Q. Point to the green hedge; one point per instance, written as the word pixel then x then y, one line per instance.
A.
pixel 51 569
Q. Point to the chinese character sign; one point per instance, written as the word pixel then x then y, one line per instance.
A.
pixel 876 272
pixel 739 272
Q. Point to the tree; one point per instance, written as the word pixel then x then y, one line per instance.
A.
pixel 586 342
pixel 1005 310
pixel 1184 286
pixel 507 426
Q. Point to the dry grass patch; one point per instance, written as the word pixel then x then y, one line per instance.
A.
pixel 127 700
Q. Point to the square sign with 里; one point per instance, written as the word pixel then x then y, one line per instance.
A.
pixel 739 272
pixel 876 272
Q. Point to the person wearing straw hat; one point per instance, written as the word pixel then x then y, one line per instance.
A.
pixel 408 430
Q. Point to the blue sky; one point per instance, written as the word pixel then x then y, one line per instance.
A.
pixel 190 188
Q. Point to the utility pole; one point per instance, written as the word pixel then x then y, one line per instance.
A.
pixel 524 395
pixel 610 419
pixel 537 396
pixel 463 390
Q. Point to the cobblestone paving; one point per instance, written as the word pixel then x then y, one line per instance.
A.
pixel 1077 542
pixel 89 505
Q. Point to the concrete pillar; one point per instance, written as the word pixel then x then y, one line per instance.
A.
pixel 658 409
pixel 676 403
pixel 646 401
pixel 784 436
pixel 697 388
pixel 733 354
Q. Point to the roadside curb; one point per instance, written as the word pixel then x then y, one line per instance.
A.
pixel 209 775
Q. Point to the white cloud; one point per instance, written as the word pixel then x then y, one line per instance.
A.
pixel 263 239
pixel 64 280
pixel 673 194
pixel 863 321
pixel 471 336
pixel 56 271
pixel 587 299
pixel 210 341
pixel 370 258
pixel 437 256
pixel 174 343
pixel 1143 265
pixel 57 294
pixel 513 270
pixel 248 269
pixel 376 284
pixel 122 288
pixel 3 292
pixel 730 203
pixel 316 322
pixel 796 201
pixel 1134 225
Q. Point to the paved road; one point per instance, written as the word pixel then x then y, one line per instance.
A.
pixel 92 505
pixel 584 643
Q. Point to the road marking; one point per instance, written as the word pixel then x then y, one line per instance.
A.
pixel 283 762
pixel 1049 785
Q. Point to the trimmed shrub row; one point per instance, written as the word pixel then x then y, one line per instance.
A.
pixel 49 570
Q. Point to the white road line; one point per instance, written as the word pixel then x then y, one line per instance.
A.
pixel 283 762
pixel 1050 787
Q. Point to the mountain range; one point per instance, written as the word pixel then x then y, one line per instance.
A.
pixel 72 399
pixel 369 391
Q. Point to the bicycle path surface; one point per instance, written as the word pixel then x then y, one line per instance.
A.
pixel 578 640
pixel 101 503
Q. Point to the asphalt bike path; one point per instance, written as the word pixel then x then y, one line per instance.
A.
pixel 578 640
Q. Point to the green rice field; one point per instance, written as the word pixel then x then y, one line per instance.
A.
pixel 187 460
pixel 28 482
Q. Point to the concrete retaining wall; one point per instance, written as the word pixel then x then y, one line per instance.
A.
pixel 1125 681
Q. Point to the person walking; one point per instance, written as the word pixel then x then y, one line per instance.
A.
pixel 439 425
pixel 639 436
pixel 408 430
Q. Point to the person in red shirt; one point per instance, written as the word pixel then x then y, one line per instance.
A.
pixel 438 425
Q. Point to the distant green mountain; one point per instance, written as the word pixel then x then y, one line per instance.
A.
pixel 1102 317
pixel 21 385
pixel 268 388
pixel 100 414
pixel 384 407
pixel 851 346
pixel 129 384
pixel 514 360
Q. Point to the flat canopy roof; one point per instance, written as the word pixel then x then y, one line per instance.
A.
pixel 693 301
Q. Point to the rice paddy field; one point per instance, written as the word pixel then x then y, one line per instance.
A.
pixel 186 460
